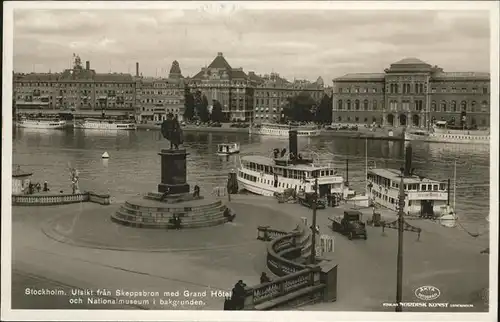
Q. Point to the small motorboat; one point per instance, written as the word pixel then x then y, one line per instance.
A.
pixel 228 148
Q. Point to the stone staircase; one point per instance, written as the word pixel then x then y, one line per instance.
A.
pixel 154 214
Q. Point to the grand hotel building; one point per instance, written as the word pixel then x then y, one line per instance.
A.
pixel 412 93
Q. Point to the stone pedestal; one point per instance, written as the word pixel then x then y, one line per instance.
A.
pixel 173 172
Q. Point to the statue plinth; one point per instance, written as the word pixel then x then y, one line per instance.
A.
pixel 173 172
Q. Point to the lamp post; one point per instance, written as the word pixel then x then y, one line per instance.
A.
pixel 313 227
pixel 399 291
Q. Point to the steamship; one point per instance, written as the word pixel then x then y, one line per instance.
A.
pixel 441 133
pixel 269 175
pixel 282 130
pixel 104 124
pixel 423 196
pixel 41 123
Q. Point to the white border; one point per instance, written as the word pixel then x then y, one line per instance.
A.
pixel 101 315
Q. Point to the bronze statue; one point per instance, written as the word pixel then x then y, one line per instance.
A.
pixel 171 130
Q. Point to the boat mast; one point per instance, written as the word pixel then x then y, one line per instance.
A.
pixel 454 184
pixel 366 166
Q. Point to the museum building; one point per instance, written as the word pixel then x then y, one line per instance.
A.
pixel 412 93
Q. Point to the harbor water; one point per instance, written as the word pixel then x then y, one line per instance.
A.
pixel 133 165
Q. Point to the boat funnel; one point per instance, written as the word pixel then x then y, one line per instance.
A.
pixel 293 144
pixel 408 156
pixel 105 155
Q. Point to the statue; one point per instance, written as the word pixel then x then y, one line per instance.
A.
pixel 171 130
pixel 73 176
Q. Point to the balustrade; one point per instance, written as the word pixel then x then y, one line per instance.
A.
pixel 37 200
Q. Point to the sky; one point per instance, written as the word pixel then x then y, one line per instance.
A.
pixel 301 44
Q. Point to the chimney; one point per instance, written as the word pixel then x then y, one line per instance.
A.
pixel 407 161
pixel 220 54
pixel 137 69
pixel 87 65
pixel 292 144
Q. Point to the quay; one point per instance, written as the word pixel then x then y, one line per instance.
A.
pixel 362 133
pixel 78 246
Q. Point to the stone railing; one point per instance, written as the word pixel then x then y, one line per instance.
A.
pixel 298 284
pixel 48 200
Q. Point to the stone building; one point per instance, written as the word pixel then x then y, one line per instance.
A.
pixel 412 93
pixel 232 87
pixel 272 91
pixel 79 91
pixel 156 97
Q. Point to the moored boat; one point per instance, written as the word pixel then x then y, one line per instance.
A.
pixel 424 197
pixel 283 129
pixel 104 124
pixel 40 123
pixel 228 148
pixel 269 176
pixel 444 134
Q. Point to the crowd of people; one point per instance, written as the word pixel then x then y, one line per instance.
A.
pixel 36 187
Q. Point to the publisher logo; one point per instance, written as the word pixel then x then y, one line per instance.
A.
pixel 427 293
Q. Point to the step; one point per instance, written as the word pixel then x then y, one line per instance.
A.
pixel 199 224
pixel 173 208
pixel 210 215
pixel 135 211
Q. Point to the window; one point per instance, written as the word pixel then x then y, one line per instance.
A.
pixel 433 106
pixel 365 105
pixel 485 90
pixel 419 105
pixel 374 105
pixel 339 118
pixel 406 105
pixel 366 120
pixel 443 106
pixel 454 106
pixel 356 119
pixel 463 105
pixel 473 106
pixel 356 104
pixel 484 106
pixel 348 103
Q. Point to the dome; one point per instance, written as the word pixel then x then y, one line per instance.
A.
pixel 410 61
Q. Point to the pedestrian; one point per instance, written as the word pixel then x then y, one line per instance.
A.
pixel 264 278
pixel 45 186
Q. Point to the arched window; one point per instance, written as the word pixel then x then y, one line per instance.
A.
pixel 339 118
pixel 356 119
pixel 484 106
pixel 433 106
pixel 365 105
pixel 374 105
pixel 374 119
pixel 443 106
pixel 348 119
pixel 463 105
pixel 454 106
pixel 348 103
pixel 473 106
pixel 356 104
pixel 339 104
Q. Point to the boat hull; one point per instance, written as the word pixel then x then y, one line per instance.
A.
pixel 105 126
pixel 227 153
pixel 41 125
pixel 449 138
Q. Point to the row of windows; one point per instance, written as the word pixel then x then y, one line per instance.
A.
pixel 21 84
pixel 418 88
pixel 357 105
pixel 473 107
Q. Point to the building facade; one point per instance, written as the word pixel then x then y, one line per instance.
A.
pixel 79 91
pixel 412 93
pixel 272 92
pixel 157 97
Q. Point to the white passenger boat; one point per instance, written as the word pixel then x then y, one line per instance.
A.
pixel 424 197
pixel 41 123
pixel 269 175
pixel 228 148
pixel 441 133
pixel 104 124
pixel 283 129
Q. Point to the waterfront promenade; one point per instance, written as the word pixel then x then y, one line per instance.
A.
pixel 215 258
pixel 362 132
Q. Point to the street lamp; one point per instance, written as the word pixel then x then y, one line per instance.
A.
pixel 313 227
pixel 399 291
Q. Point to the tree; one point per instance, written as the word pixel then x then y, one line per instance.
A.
pixel 188 104
pixel 299 108
pixel 201 106
pixel 217 115
pixel 324 110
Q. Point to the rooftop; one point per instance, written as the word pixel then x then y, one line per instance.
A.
pixel 360 76
pixel 270 162
pixel 410 61
pixel 395 175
